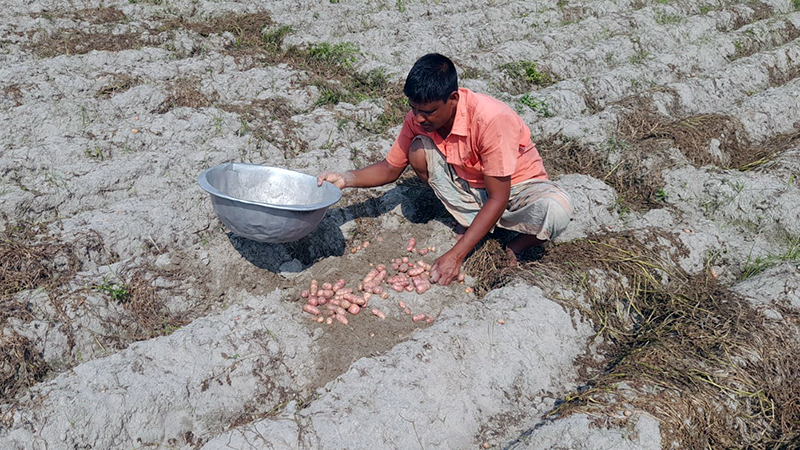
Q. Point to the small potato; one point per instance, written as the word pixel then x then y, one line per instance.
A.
pixel 469 290
pixel 405 259
pixel 322 301
pixel 401 304
pixel 313 301
pixel 422 287
pixel 378 313
pixel 415 271
pixel 329 320
pixel 385 295
pixel 354 309
pixel 409 288
pixel 311 309
pixel 411 243
pixel 398 287
pixel 377 290
pixel 395 266
pixel 327 293
pixel 345 304
pixel 381 267
pixel 407 311
pixel 353 250
pixel 320 319
pixel 335 302
pixel 418 317
pixel 403 267
pixel 429 319
pixel 327 286
pixel 423 251
pixel 365 244
pixel 340 310
pixel 304 293
pixel 341 318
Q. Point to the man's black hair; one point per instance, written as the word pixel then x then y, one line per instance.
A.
pixel 432 78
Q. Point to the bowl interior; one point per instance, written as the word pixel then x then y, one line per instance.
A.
pixel 272 186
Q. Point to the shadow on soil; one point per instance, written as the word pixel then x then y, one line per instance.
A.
pixel 418 205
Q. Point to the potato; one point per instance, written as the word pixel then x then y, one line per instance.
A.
pixel 385 295
pixel 401 304
pixel 320 319
pixel 339 310
pixel 313 301
pixel 304 293
pixel 415 271
pixel 418 317
pixel 399 287
pixel 322 301
pixel 409 288
pixel 460 277
pixel 407 311
pixel 422 286
pixel 411 243
pixel 354 309
pixel 311 309
pixel 329 320
pixel 345 304
pixel 341 318
pixel 327 286
pixel 377 290
pixel 429 319
pixel 423 251
pixel 378 313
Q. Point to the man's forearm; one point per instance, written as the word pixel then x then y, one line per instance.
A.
pixel 373 175
pixel 486 218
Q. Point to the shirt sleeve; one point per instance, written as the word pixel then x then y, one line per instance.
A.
pixel 498 146
pixel 398 154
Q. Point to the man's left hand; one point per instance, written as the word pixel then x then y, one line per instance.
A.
pixel 446 268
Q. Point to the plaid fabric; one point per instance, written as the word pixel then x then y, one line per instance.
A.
pixel 538 207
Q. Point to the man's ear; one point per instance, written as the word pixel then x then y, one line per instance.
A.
pixel 453 98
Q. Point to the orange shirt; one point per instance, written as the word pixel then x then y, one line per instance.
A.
pixel 488 138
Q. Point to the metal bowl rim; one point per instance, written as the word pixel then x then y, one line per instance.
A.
pixel 203 182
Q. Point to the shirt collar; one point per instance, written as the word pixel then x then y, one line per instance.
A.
pixel 460 122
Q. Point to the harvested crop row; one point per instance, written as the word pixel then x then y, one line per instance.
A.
pixel 329 302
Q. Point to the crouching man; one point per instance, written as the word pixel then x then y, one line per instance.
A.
pixel 477 155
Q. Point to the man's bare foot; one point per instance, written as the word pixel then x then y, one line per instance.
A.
pixel 511 257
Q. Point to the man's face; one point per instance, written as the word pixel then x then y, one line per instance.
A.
pixel 435 115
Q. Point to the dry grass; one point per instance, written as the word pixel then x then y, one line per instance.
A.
pixel 148 315
pixel 118 82
pixel 31 259
pixel 635 182
pixel 702 360
pixel 693 135
pixel 185 93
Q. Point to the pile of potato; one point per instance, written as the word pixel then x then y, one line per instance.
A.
pixel 333 302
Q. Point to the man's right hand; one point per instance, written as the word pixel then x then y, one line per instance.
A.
pixel 338 179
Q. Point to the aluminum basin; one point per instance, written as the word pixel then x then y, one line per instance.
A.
pixel 267 204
